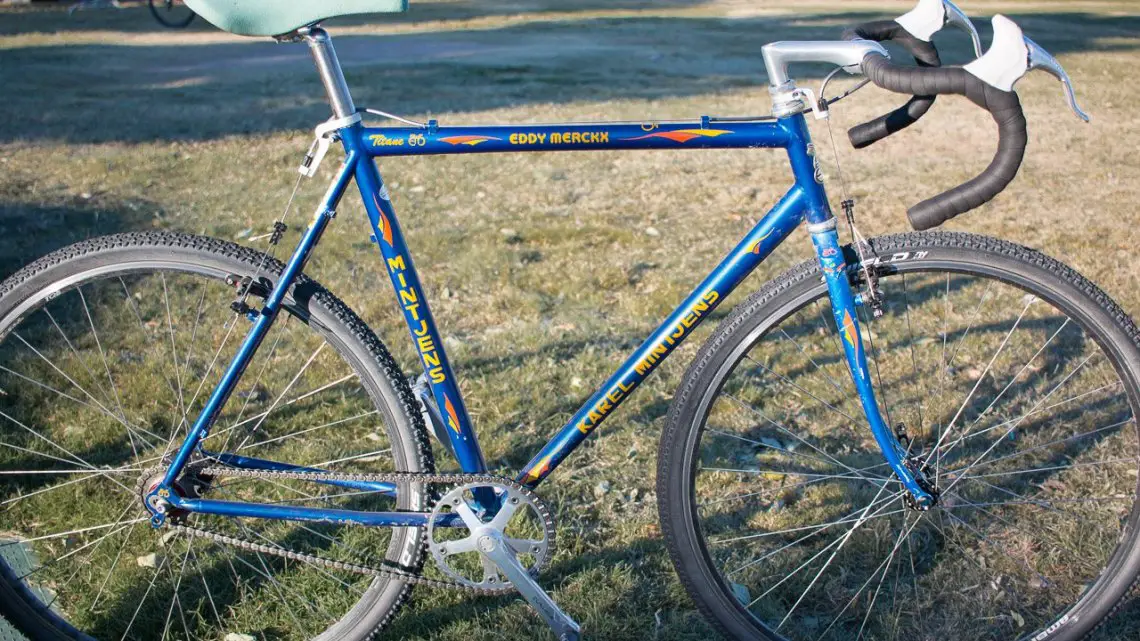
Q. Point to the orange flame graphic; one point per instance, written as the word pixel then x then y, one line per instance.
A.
pixel 756 248
pixel 467 140
pixel 684 135
pixel 538 470
pixel 849 331
pixel 386 232
pixel 452 419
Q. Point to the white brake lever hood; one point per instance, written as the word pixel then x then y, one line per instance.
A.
pixel 929 16
pixel 1007 59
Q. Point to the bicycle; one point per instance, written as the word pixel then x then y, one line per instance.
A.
pixel 800 496
pixel 173 14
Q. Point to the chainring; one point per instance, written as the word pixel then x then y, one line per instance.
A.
pixel 511 497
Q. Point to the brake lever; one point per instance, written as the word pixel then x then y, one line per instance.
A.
pixel 1012 55
pixel 1041 59
pixel 929 16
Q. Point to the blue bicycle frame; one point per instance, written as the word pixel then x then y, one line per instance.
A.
pixel 805 200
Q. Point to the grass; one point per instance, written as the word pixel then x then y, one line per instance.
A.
pixel 544 269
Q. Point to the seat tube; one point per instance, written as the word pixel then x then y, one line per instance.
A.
pixel 825 239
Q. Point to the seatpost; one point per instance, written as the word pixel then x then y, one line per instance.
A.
pixel 320 45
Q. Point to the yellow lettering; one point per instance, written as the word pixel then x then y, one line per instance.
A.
pixel 408 296
pixel 425 343
pixel 711 297
pixel 689 319
pixel 614 395
pixel 625 387
pixel 605 137
pixel 576 137
pixel 396 264
pixel 431 359
pixel 514 139
pixel 413 310
pixel 643 367
pixel 594 417
pixel 436 375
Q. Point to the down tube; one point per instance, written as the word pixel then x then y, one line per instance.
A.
pixel 750 252
pixel 413 302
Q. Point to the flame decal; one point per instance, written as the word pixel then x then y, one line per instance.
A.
pixel 683 135
pixel 467 140
pixel 452 419
pixel 386 231
pixel 541 468
pixel 756 248
pixel 849 331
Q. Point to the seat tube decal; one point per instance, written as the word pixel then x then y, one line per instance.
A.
pixel 414 305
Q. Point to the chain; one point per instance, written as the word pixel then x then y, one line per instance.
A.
pixel 385 572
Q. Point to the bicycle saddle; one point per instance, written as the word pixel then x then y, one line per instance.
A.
pixel 276 17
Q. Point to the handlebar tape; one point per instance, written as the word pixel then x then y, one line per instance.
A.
pixel 1004 107
pixel 924 54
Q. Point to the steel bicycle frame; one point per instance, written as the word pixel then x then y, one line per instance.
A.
pixel 805 200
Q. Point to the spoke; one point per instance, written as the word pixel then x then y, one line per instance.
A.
pixel 961 408
pixel 354 457
pixel 877 481
pixel 816 365
pixel 77 531
pixel 205 584
pixel 64 450
pixel 843 541
pixel 307 430
pixel 884 567
pixel 106 366
pixel 1033 411
pixel 1021 371
pixel 738 497
pixel 277 401
pixel 132 429
pixel 910 344
pixel 173 347
pixel 813 396
pixel 793 435
pixel 75 353
pixel 1051 468
pixel 302 397
pixel 161 565
pixel 985 539
pixel 114 564
pixel 260 374
pixel 754 442
pixel 1046 445
pixel 1014 426
pixel 174 598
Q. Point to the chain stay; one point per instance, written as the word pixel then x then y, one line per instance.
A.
pixel 391 477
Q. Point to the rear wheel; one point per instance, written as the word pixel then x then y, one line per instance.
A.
pixel 1013 380
pixel 108 350
pixel 173 14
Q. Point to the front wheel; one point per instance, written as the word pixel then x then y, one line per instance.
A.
pixel 1012 380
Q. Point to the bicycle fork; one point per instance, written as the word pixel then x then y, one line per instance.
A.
pixel 922 494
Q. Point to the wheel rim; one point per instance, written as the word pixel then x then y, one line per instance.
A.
pixel 805 526
pixel 100 381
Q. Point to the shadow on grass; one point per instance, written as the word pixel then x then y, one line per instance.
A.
pixel 102 93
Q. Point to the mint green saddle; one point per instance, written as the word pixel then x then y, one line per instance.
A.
pixel 275 17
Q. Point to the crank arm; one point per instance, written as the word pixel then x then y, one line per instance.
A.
pixel 493 548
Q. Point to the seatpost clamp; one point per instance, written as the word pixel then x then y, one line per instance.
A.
pixel 323 137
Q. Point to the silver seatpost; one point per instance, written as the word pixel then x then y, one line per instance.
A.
pixel 320 45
